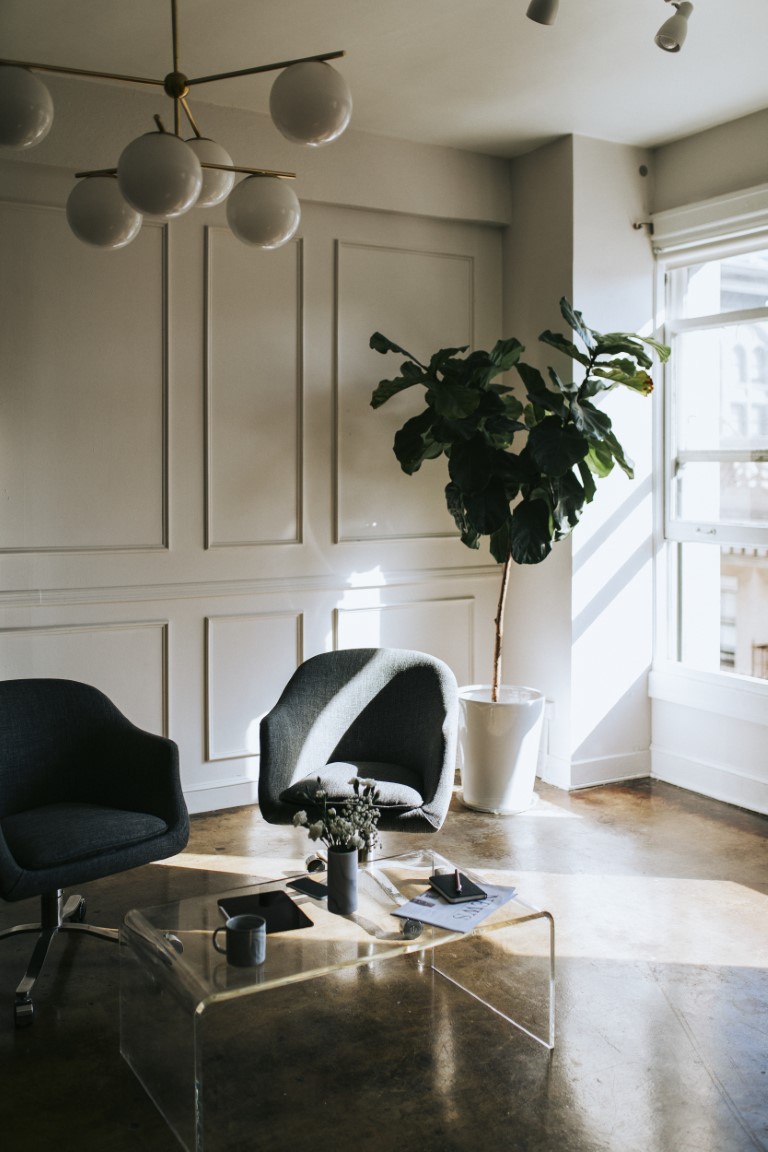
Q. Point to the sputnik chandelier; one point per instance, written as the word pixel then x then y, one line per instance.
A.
pixel 162 175
pixel 669 37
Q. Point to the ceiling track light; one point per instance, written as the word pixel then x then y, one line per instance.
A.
pixel 671 36
pixel 543 11
pixel 162 175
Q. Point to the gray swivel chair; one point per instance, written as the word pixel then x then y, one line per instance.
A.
pixel 386 714
pixel 84 793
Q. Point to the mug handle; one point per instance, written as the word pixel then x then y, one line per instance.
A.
pixel 216 946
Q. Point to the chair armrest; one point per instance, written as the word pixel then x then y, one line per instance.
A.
pixel 281 739
pixel 137 770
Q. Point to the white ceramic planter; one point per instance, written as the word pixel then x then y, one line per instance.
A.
pixel 499 747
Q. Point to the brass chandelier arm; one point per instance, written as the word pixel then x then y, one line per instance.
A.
pixel 203 164
pixel 323 56
pixel 249 171
pixel 96 172
pixel 81 72
pixel 190 117
pixel 266 67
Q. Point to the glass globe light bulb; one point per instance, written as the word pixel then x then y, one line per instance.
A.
pixel 98 214
pixel 159 175
pixel 264 211
pixel 26 108
pixel 310 103
pixel 217 185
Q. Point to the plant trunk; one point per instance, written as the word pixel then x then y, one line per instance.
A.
pixel 500 629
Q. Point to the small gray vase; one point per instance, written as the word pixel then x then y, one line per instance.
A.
pixel 342 880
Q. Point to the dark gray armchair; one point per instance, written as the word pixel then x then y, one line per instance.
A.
pixel 386 714
pixel 84 793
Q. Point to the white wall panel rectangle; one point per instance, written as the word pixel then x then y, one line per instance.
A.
pixel 126 661
pixel 422 300
pixel 83 420
pixel 254 393
pixel 444 628
pixel 249 659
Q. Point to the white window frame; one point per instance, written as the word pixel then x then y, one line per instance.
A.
pixel 706 231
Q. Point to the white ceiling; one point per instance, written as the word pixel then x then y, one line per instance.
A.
pixel 470 74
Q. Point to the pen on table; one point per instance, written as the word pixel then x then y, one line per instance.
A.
pixel 458 880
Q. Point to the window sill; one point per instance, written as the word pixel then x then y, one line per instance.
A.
pixel 724 694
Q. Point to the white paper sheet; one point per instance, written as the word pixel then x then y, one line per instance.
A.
pixel 432 909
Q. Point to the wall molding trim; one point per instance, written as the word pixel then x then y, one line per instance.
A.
pixel 708 779
pixel 575 774
pixel 203 589
pixel 211 795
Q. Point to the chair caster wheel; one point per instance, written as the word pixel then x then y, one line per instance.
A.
pixel 23 1013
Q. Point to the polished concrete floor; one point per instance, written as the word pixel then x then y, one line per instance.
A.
pixel 661 904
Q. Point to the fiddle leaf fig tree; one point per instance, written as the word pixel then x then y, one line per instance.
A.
pixel 519 472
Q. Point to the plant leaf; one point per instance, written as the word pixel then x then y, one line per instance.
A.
pixel 452 400
pixel 618 455
pixel 562 387
pixel 505 354
pixel 538 393
pixel 442 357
pixel 555 447
pixel 567 347
pixel 530 538
pixel 636 342
pixel 637 379
pixel 587 480
pixel 592 386
pixel 488 510
pixel 499 542
pixel 589 420
pixel 415 442
pixel 575 320
pixel 513 408
pixel 599 459
pixel 500 431
pixel 382 344
pixel 411 374
pixel 620 343
pixel 470 465
pixel 569 499
pixel 455 503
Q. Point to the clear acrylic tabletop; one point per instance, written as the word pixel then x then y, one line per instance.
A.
pixel 178 936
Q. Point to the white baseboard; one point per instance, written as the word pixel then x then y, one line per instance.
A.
pixel 715 780
pixel 214 794
pixel 573 774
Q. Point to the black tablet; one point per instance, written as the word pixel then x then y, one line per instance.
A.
pixel 277 908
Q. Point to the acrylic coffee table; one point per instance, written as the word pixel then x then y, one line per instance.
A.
pixel 175 988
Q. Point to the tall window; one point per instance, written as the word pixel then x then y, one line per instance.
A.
pixel 717 461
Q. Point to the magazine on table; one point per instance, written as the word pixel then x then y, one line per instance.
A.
pixel 430 908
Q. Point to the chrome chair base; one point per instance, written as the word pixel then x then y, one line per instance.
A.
pixel 56 915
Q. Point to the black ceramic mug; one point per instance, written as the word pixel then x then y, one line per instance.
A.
pixel 246 940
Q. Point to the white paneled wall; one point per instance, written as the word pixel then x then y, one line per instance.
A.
pixel 195 493
pixel 127 660
pixel 76 398
pixel 253 329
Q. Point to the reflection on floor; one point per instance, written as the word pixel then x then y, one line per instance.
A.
pixel 661 903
